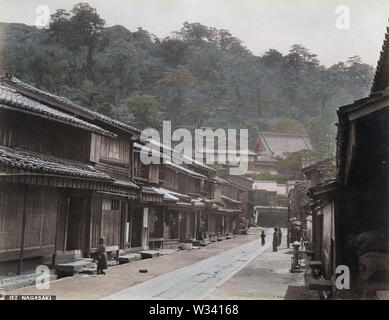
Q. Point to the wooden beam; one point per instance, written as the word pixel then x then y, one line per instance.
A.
pixel 11 255
pixel 369 108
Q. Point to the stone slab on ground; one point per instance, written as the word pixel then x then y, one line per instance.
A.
pixel 148 254
pixel 73 266
pixel 129 257
pixel 22 281
pixel 125 275
pixel 164 252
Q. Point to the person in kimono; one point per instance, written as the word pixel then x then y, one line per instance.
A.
pixel 279 236
pixel 275 240
pixel 263 237
pixel 102 263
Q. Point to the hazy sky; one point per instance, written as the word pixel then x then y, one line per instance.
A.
pixel 260 24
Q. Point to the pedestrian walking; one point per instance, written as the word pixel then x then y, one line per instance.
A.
pixel 279 236
pixel 275 240
pixel 102 263
pixel 201 231
pixel 263 236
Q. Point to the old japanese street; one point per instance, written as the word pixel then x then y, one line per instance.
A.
pixel 199 280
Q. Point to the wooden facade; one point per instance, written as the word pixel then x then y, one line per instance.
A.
pixel 69 176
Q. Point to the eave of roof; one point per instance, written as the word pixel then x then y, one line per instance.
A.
pixel 381 76
pixel 318 164
pixel 64 103
pixel 126 184
pixel 324 188
pixel 37 163
pixel 10 99
pixel 184 170
pixel 230 200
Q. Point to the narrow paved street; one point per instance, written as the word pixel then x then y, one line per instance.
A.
pixel 267 277
pixel 198 280
pixel 238 268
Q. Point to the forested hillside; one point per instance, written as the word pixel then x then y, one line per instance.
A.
pixel 198 76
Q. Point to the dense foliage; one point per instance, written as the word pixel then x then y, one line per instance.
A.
pixel 199 76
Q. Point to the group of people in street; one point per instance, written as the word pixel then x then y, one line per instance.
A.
pixel 277 238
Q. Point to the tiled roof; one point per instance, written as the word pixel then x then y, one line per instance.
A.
pixel 126 184
pixel 174 154
pixel 17 84
pixel 219 180
pixel 176 194
pixel 381 77
pixel 11 98
pixel 230 200
pixel 49 165
pixel 116 123
pixel 167 196
pixel 184 170
pixel 277 144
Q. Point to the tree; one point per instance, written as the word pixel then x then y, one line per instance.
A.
pixel 78 28
pixel 285 125
pixel 178 82
pixel 294 161
pixel 145 110
pixel 173 51
pixel 255 126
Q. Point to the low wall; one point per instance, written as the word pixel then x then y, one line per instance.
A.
pixel 272 216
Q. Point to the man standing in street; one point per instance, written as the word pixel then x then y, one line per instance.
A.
pixel 279 236
pixel 275 240
pixel 263 237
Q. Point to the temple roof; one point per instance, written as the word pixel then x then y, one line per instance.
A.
pixel 277 144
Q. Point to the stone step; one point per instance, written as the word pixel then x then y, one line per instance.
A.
pixel 129 257
pixel 91 269
pixel 170 244
pixel 112 263
pixel 74 266
pixel 148 254
pixel 320 285
pixel 22 281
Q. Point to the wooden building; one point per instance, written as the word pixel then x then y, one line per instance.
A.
pixel 352 211
pixel 65 178
pixel 69 175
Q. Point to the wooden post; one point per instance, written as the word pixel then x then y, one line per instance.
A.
pixel 288 228
pixel 179 225
pixel 20 266
pixel 195 225
pixel 59 203
pixel 66 222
